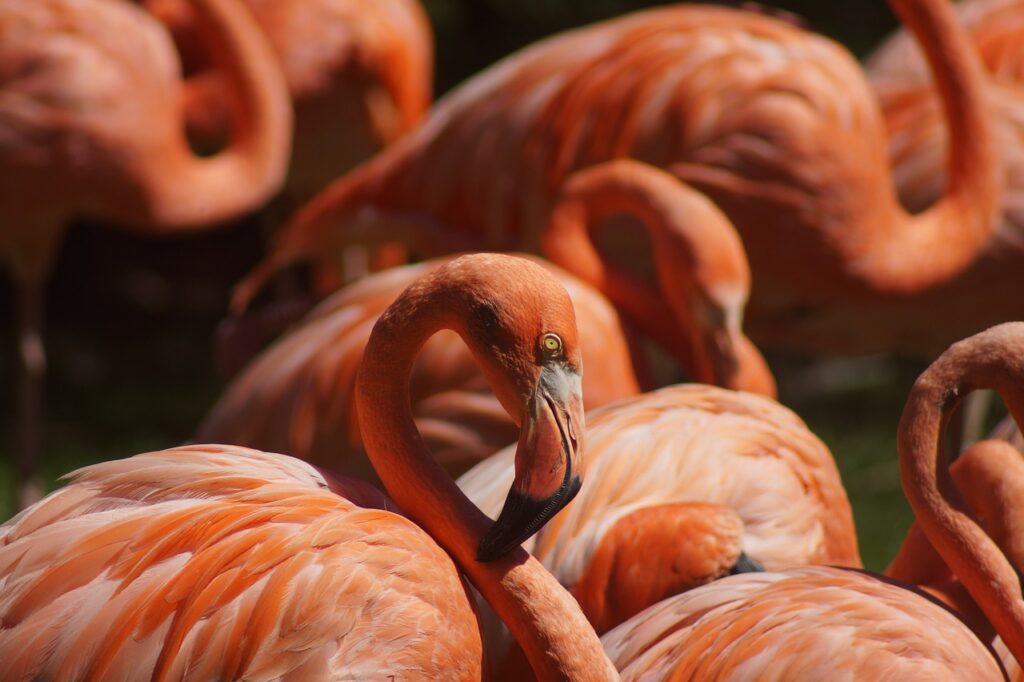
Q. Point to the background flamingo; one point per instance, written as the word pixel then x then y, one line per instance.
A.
pixel 359 74
pixel 918 142
pixel 276 531
pixel 73 144
pixel 695 308
pixel 800 167
pixel 800 622
pixel 297 396
pixel 300 388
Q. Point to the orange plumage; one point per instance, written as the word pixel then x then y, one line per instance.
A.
pixel 359 74
pixel 679 482
pixel 918 143
pixel 776 126
pixel 90 126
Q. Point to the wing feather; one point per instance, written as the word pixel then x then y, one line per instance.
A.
pixel 222 562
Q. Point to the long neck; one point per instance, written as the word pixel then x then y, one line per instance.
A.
pixel 993 359
pixel 697 254
pixel 541 615
pixel 941 241
pixel 187 191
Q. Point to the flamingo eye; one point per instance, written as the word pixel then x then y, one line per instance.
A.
pixel 551 343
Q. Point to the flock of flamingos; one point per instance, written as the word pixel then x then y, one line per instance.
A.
pixel 684 176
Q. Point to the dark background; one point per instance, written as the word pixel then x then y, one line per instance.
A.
pixel 130 319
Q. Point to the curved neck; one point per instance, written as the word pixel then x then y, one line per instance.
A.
pixel 403 63
pixel 541 615
pixel 941 241
pixel 698 257
pixel 993 359
pixel 187 191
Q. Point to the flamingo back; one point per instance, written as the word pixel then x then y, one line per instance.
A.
pixel 808 623
pixel 747 108
pixel 694 443
pixel 218 562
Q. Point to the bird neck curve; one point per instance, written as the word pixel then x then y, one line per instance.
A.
pixel 696 253
pixel 949 235
pixel 992 359
pixel 539 612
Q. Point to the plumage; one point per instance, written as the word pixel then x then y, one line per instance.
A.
pixel 219 562
pixel 918 142
pixel 74 144
pixel 814 622
pixel 776 126
pixel 806 623
pixel 751 468
pixel 359 74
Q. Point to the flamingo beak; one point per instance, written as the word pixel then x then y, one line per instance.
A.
pixel 548 460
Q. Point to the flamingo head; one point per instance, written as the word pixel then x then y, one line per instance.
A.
pixel 522 330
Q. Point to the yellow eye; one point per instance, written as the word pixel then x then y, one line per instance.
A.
pixel 552 343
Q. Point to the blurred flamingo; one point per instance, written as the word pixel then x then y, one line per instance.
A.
pixel 91 126
pixel 918 143
pixel 216 562
pixel 777 126
pixel 817 622
pixel 297 396
pixel 360 74
pixel 701 269
pixel 685 485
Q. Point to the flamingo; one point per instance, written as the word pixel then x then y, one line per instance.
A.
pixel 74 143
pixel 297 396
pixel 359 75
pixel 203 621
pixel 818 622
pixel 701 268
pixel 777 126
pixel 221 562
pixel 686 484
pixel 918 143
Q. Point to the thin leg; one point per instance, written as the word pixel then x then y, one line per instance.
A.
pixel 31 376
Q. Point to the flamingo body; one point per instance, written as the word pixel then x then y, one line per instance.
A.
pixel 776 126
pixel 219 562
pixel 678 445
pixel 90 126
pixel 359 75
pixel 807 623
pixel 225 563
pixel 918 143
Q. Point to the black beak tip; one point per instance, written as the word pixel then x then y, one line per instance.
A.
pixel 521 517
pixel 744 564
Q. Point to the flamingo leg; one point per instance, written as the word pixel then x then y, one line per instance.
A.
pixel 31 378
